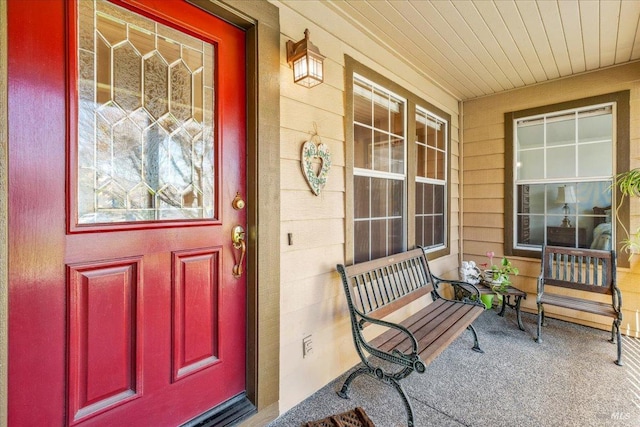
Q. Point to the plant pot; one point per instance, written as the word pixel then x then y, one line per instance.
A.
pixel 487 300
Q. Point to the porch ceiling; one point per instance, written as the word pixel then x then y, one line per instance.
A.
pixel 473 48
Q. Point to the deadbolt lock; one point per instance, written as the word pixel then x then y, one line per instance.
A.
pixel 238 203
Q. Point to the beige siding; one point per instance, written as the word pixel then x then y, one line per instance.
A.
pixel 311 298
pixel 483 177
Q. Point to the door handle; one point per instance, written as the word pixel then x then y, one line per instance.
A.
pixel 237 238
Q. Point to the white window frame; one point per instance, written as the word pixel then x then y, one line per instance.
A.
pixel 435 181
pixel 373 173
pixel 545 180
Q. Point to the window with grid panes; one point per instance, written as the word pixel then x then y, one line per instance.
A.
pixel 569 142
pixel 431 173
pixel 564 168
pixel 379 171
pixel 385 125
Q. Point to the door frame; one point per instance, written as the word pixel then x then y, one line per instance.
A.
pixel 262 23
pixel 4 214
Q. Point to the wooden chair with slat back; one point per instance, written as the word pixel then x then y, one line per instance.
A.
pixel 588 270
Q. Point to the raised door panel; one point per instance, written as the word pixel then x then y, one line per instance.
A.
pixel 104 363
pixel 196 288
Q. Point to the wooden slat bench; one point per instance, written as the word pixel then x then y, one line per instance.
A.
pixel 588 270
pixel 375 289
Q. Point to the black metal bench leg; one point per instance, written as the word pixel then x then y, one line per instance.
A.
pixel 379 374
pixel 616 327
pixel 505 302
pixel 344 391
pixel 540 321
pixel 404 398
pixel 476 345
pixel 518 314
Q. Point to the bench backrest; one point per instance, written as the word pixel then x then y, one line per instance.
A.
pixel 583 269
pixel 379 287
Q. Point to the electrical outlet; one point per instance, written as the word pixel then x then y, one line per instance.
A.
pixel 307 346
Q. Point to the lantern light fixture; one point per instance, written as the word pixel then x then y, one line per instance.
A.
pixel 306 60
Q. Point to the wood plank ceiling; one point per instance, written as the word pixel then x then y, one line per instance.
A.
pixel 473 48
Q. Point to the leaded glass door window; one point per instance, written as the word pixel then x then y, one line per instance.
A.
pixel 145 147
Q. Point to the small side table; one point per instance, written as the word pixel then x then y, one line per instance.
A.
pixel 517 295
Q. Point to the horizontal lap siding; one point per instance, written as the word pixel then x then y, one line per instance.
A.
pixel 483 178
pixel 311 298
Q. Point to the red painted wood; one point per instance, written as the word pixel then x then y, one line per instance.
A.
pixel 37 317
pixel 195 315
pixel 104 320
pixel 60 283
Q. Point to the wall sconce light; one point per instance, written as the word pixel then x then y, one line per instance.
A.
pixel 566 195
pixel 306 60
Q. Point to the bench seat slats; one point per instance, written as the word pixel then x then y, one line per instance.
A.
pixel 435 335
pixel 429 352
pixel 595 307
pixel 434 327
pixel 450 320
pixel 393 337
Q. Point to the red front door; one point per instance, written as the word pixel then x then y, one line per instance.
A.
pixel 126 152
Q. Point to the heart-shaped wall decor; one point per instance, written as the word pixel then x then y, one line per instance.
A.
pixel 311 151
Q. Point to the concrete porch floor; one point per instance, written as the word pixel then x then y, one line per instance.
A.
pixel 569 379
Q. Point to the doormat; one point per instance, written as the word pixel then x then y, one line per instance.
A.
pixel 354 418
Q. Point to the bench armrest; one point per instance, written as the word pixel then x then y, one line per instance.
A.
pixel 617 300
pixel 463 291
pixel 409 360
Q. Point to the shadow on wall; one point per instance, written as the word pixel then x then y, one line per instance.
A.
pixel 627 331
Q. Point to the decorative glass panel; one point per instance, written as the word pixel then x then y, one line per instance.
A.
pixel 145 119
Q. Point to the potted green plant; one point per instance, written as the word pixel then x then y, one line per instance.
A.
pixel 629 185
pixel 499 276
